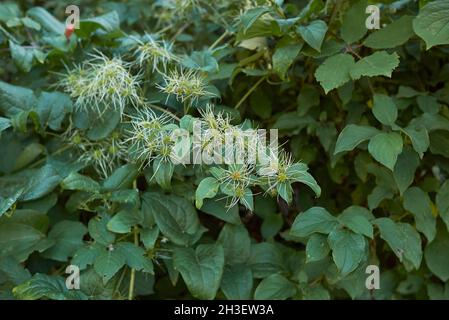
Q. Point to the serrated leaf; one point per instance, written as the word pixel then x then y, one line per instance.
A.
pixel 394 34
pixel 335 71
pixel 432 23
pixel 379 63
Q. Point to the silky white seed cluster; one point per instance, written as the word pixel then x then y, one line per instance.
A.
pixel 101 84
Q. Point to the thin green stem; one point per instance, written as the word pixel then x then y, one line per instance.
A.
pixel 40 161
pixel 224 35
pixel 247 94
pixel 153 106
pixel 119 282
pixel 132 278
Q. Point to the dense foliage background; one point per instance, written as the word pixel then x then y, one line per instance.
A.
pixel 366 110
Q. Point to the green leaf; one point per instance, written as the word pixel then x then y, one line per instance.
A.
pixel 428 104
pixel 352 135
pixel 236 243
pixel 86 255
pixel 11 270
pixel 418 203
pixel 385 148
pixel 356 220
pixel 76 181
pixel 402 239
pixel 201 269
pixel 419 137
pixel 335 71
pixel 23 57
pixel 348 249
pixel 313 34
pixel 218 208
pixel 284 56
pixel 353 26
pixel 109 262
pixel 8 200
pixel 404 170
pixel 42 182
pixel 20 240
pixel 52 108
pixel 315 219
pixel 207 188
pixel 44 286
pixel 201 60
pixel 4 124
pixel 98 230
pixel 384 109
pixel 163 172
pixel 108 22
pixel 251 16
pixel 68 237
pixel 14 99
pixel 275 287
pixel 237 282
pixel 308 97
pixel 442 201
pixel 135 257
pixel 121 178
pixel 265 260
pixel 123 220
pixel 317 248
pixel 30 23
pixel 272 224
pixel 298 173
pixel 435 256
pixel 175 217
pixel 100 125
pixel 432 23
pixel 46 20
pixel 8 11
pixel 379 63
pixel 394 34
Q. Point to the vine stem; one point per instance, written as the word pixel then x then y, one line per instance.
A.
pixel 68 146
pixel 224 35
pixel 249 92
pixel 132 278
pixel 153 106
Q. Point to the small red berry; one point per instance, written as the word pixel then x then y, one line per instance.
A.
pixel 69 30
